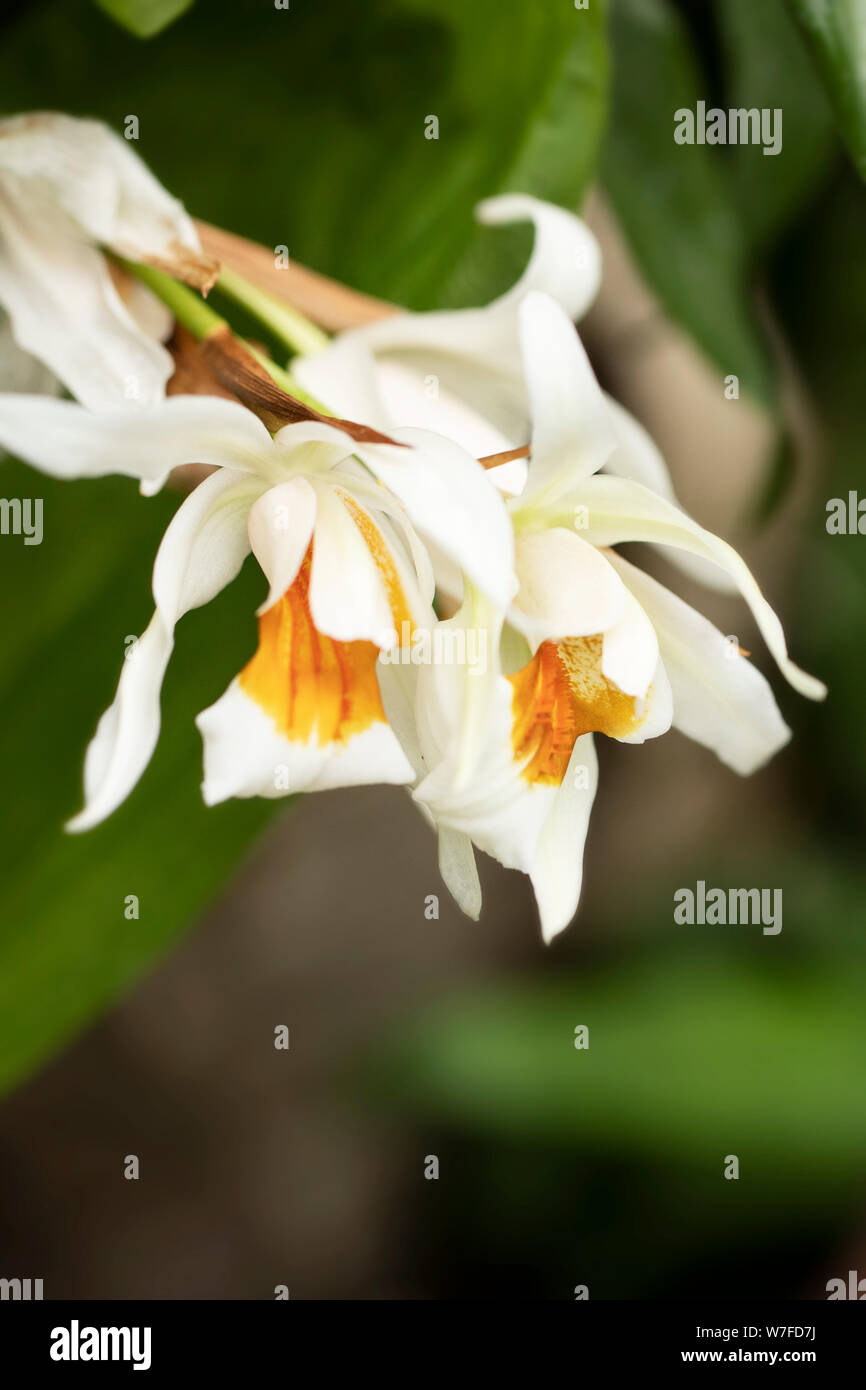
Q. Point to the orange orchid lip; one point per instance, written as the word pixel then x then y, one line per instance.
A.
pixel 558 696
pixel 313 687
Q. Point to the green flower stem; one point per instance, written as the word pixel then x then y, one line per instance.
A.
pixel 290 326
pixel 201 320
pixel 187 306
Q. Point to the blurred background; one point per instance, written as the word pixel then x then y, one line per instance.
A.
pixel 413 1037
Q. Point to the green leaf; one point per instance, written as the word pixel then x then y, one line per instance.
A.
pixel 836 30
pixel 296 132
pixel 691 1056
pixel 768 66
pixel 66 947
pixel 334 162
pixel 674 201
pixel 820 294
pixel 144 18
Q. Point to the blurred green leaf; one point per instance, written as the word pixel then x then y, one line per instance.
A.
pixel 66 948
pixel 144 18
pixel 836 30
pixel 820 294
pixel 768 66
pixel 691 1056
pixel 321 123
pixel 674 201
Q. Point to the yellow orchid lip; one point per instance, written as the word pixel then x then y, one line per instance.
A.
pixel 315 689
pixel 560 695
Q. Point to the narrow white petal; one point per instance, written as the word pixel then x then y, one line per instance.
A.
pixel 621 511
pixel 459 871
pixel 720 699
pixel 349 598
pixel 566 258
pixel 638 458
pixel 572 430
pixel 67 441
pixel 630 650
pixel 202 551
pixel 557 868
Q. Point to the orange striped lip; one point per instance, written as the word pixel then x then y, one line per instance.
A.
pixel 559 695
pixel 314 688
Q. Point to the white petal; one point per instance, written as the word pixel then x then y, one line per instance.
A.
pixel 450 499
pixel 720 699
pixel 630 650
pixel 557 868
pixel 572 430
pixel 398 684
pixel 566 259
pixel 423 403
pixel 343 378
pixel 67 441
pixel 281 525
pixel 459 871
pixel 202 551
pixel 80 168
pixel 655 710
pixel 19 370
pixel 567 588
pixel 66 311
pixel 349 598
pixel 531 824
pixel 638 458
pixel 621 511
pixel 245 754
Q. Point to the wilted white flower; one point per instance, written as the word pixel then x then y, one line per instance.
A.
pixel 69 190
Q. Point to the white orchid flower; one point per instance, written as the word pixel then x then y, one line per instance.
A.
pixel 335 526
pixel 69 189
pixel 505 757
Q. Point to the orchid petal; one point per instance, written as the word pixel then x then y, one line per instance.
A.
pixel 572 430
pixel 281 524
pixel 450 500
pixel 567 588
pixel 720 699
pixel 67 441
pixel 201 552
pixel 621 511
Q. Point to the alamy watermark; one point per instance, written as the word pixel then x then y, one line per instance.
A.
pixel 21 1290
pixel 755 907
pixel 22 516
pixel 738 126
pixel 440 646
